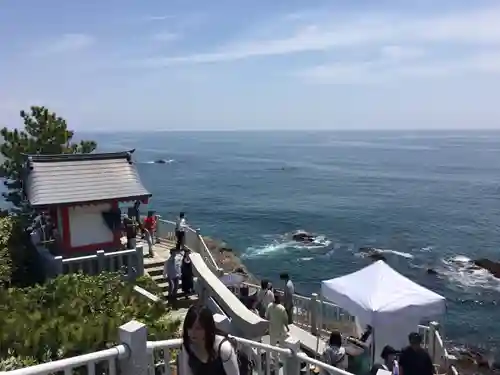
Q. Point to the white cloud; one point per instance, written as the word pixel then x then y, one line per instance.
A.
pixel 66 43
pixel 378 71
pixel 158 18
pixel 478 28
pixel 400 53
pixel 166 37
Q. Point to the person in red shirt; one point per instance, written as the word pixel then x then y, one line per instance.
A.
pixel 150 230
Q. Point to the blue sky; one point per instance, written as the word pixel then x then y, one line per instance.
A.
pixel 263 64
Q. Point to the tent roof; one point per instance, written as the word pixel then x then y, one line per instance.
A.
pixel 377 294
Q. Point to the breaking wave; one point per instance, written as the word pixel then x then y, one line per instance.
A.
pixel 283 243
pixel 460 270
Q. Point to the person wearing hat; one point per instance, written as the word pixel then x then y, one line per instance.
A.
pixel 415 360
pixel 389 356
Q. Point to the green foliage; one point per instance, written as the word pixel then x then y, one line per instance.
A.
pixel 13 363
pixel 44 133
pixel 41 322
pixel 5 259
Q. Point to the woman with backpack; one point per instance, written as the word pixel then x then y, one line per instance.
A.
pixel 203 351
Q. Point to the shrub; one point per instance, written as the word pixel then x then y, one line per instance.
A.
pixel 74 314
pixel 5 259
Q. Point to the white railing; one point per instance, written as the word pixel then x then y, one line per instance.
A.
pixel 129 262
pixel 163 357
pixel 137 356
pixel 104 361
pixel 193 240
pixel 441 355
pixel 307 310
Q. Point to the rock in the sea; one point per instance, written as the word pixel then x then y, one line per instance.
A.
pixel 475 360
pixel 377 255
pixel 160 161
pixel 302 236
pixel 489 265
pixel 373 253
pixel 431 271
pixel 367 249
pixel 240 270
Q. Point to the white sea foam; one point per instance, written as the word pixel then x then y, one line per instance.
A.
pixel 167 161
pixel 387 251
pixel 460 270
pixel 282 243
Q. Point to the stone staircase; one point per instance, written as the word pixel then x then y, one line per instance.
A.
pixel 154 269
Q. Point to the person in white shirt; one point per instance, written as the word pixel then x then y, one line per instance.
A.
pixel 278 322
pixel 180 231
pixel 289 291
pixel 265 297
pixel 172 272
pixel 204 352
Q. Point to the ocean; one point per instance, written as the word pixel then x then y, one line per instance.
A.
pixel 426 199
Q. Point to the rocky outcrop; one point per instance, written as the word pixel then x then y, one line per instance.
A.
pixel 431 271
pixel 160 161
pixel 373 253
pixel 472 361
pixel 489 265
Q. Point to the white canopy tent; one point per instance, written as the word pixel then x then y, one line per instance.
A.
pixel 383 298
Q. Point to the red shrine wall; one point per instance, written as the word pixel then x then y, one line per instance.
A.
pixel 84 229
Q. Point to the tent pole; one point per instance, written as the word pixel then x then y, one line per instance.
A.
pixel 373 346
pixel 320 320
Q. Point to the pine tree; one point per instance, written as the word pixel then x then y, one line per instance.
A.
pixel 44 133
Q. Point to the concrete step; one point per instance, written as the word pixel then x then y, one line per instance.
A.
pixel 158 278
pixel 154 270
pixel 153 263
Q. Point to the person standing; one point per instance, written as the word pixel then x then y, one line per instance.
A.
pixel 389 355
pixel 415 360
pixel 187 273
pixel 203 351
pixel 264 297
pixel 150 231
pixel 131 232
pixel 180 231
pixel 289 291
pixel 335 354
pixel 172 272
pixel 278 322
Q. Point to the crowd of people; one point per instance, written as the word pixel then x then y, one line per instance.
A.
pixel 178 269
pixel 208 351
pixel 411 360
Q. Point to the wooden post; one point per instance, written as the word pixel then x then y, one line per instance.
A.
pixel 134 335
pixel 140 261
pixel 100 261
pixel 292 363
pixel 313 309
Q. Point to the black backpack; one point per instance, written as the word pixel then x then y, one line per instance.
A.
pixel 245 364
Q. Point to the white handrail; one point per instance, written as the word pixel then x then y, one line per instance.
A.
pixel 117 352
pixel 202 241
pixel 324 366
